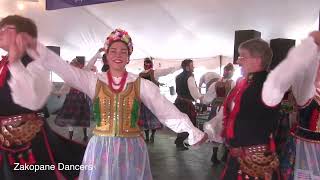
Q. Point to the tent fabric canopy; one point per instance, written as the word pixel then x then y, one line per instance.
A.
pixel 207 63
pixel 167 29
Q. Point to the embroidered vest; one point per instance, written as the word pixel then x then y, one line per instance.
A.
pixel 308 128
pixel 117 114
pixel 222 90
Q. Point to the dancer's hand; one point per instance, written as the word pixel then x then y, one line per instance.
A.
pixel 316 37
pixel 203 140
pixel 101 50
pixel 19 46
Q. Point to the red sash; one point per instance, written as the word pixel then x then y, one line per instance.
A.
pixel 3 70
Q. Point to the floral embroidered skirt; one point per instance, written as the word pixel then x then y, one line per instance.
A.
pixel 116 158
pixel 307 163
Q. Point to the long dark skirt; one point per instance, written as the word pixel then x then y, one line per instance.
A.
pixel 75 110
pixel 148 119
pixel 287 159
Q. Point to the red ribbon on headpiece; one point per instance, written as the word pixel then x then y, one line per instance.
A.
pixel 3 70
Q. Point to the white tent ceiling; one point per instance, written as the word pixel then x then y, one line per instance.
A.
pixel 168 28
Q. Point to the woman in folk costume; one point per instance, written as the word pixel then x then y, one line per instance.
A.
pixel 117 150
pixel 75 111
pixel 216 94
pixel 219 90
pixel 25 137
pixel 301 157
pixel 148 120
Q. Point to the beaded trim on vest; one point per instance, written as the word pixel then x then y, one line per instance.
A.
pixel 226 86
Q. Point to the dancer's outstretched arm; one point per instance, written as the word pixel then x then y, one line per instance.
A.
pixel 167 113
pixel 80 79
pixel 297 70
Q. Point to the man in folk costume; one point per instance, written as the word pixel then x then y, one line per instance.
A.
pixel 23 137
pixel 116 149
pixel 216 95
pixel 300 158
pixel 187 92
pixel 251 110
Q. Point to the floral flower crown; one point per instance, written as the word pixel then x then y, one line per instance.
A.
pixel 119 35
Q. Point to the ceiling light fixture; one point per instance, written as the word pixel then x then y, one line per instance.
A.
pixel 20 5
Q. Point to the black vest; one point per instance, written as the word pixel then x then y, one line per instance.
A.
pixel 255 121
pixel 182 85
pixel 7 106
pixel 306 113
pixel 304 128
